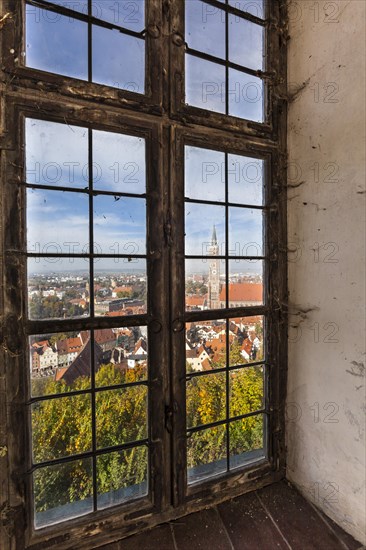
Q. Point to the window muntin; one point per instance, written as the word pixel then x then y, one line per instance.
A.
pixel 85 41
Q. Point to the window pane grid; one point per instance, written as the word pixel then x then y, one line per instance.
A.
pixel 78 377
pixel 87 36
pixel 225 60
pixel 226 374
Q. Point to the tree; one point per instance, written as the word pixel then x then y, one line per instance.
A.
pixel 62 427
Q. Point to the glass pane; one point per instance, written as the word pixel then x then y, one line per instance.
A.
pixel 118 60
pixel 205 345
pixel 61 427
pixel 120 286
pixel 204 174
pixel 57 222
pixel 121 355
pixel 119 162
pixel 245 232
pixel 245 283
pixel 204 280
pixel 205 84
pixel 205 28
pixel 56 43
pixel 119 225
pixel 246 96
pixel 124 13
pixel 58 288
pixel 62 492
pixel 122 476
pixel 121 416
pixel 204 229
pixel 246 440
pixel 206 399
pixel 206 453
pixel 76 5
pixel 254 7
pixel 246 390
pixel 56 154
pixel 246 43
pixel 246 180
pixel 59 362
pixel 247 344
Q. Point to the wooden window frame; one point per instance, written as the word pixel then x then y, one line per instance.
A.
pixel 162 116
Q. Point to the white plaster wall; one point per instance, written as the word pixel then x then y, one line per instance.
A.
pixel 326 378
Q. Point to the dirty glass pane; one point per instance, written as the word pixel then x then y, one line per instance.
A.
pixel 246 440
pixel 204 280
pixel 246 43
pixel 76 5
pixel 204 225
pixel 121 355
pixel 62 492
pixel 57 222
pixel 118 60
pixel 206 399
pixel 246 343
pixel 245 283
pixel 205 345
pixel 254 7
pixel 246 180
pixel 204 174
pixel 246 96
pixel 129 276
pixel 56 154
pixel 206 454
pixel 122 476
pixel 56 43
pixel 205 84
pixel 59 362
pixel 205 28
pixel 246 390
pixel 58 288
pixel 118 162
pixel 121 416
pixel 246 231
pixel 124 13
pixel 119 222
pixel 61 427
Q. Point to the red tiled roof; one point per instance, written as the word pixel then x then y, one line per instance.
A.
pixel 70 345
pixel 195 300
pixel 206 364
pixel 243 292
pixel 102 336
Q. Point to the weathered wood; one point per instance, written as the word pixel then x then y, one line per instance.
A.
pixel 162 117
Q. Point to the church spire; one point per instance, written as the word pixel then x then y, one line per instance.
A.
pixel 214 236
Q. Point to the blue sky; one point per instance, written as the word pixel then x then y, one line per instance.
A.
pixel 205 176
pixel 57 155
pixel 58 44
pixel 58 221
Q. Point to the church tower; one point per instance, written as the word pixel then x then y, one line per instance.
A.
pixel 214 274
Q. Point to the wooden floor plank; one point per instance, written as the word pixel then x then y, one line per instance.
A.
pixel 248 525
pixel 159 538
pixel 202 530
pixel 297 519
